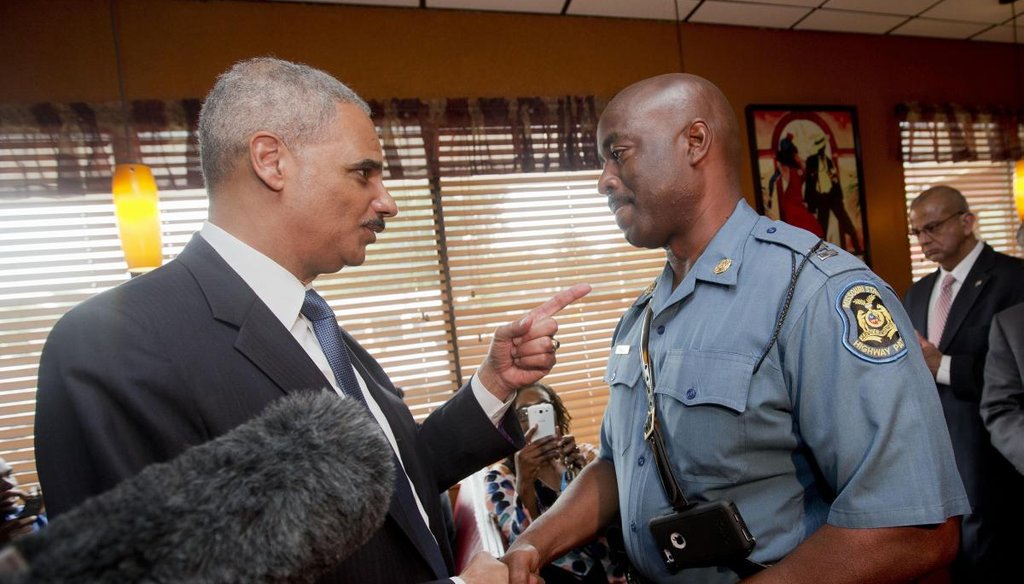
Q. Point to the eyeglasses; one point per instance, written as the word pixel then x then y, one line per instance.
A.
pixel 932 227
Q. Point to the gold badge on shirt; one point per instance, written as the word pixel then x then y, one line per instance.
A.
pixel 869 330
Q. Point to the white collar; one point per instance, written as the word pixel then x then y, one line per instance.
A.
pixel 964 267
pixel 281 291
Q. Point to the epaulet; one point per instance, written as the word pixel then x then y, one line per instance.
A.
pixel 827 257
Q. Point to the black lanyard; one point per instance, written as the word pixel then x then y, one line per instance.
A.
pixel 652 432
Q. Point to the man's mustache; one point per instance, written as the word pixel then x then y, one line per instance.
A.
pixel 376 225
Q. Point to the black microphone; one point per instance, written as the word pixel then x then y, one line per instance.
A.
pixel 281 498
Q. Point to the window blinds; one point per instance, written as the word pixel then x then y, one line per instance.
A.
pixel 511 242
pixel 515 240
pixel 987 185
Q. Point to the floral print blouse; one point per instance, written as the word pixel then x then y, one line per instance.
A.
pixel 513 517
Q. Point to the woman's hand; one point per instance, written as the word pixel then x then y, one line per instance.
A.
pixel 570 451
pixel 529 461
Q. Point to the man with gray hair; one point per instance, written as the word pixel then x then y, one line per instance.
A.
pixel 952 310
pixel 181 355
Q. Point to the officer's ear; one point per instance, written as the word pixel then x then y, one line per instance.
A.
pixel 698 141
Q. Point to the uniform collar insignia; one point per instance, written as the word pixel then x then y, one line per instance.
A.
pixel 826 252
pixel 650 288
pixel 722 266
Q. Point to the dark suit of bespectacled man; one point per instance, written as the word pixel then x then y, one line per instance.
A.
pixel 180 355
pixel 952 310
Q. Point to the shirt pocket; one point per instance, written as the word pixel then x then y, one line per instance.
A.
pixel 702 396
pixel 625 388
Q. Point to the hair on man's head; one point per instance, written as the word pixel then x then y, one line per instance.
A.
pixel 292 100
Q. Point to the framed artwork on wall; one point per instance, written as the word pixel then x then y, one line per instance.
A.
pixel 807 171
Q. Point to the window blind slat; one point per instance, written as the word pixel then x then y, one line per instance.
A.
pixel 513 241
pixel 987 185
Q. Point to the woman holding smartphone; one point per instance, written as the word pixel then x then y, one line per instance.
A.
pixel 525 485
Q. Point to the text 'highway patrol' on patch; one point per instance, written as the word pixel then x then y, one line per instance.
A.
pixel 869 330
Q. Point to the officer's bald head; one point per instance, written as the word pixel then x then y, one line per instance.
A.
pixel 673 101
pixel 669 105
pixel 670 146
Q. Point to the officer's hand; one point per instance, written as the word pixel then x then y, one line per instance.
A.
pixel 932 356
pixel 523 563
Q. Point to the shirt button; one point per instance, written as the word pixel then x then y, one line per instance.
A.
pixel 640 461
pixel 612 376
pixel 772 230
pixel 632 526
pixel 691 393
pixel 661 329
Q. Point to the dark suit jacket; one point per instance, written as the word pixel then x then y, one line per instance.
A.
pixel 187 352
pixel 1002 398
pixel 995 282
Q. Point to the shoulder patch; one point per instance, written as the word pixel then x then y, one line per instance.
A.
pixel 869 331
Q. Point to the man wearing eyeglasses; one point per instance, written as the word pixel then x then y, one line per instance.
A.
pixel 952 309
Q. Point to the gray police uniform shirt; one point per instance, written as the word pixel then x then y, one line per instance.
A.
pixel 841 424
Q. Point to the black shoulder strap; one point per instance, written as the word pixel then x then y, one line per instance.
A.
pixel 789 299
pixel 652 433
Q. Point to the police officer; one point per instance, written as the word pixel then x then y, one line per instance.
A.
pixel 783 376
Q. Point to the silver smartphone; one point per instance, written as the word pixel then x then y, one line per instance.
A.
pixel 542 416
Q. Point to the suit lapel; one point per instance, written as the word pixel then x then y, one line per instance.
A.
pixel 392 408
pixel 261 337
pixel 919 308
pixel 970 290
pixel 271 348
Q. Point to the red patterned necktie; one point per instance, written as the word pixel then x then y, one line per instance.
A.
pixel 941 312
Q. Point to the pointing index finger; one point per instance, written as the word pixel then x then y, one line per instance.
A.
pixel 558 302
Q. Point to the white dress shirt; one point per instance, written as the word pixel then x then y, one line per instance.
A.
pixel 283 294
pixel 960 274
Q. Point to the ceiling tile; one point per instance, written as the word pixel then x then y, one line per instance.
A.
pixel 903 7
pixel 808 3
pixel 939 28
pixel 988 11
pixel 741 14
pixel 1000 34
pixel 843 21
pixel 545 6
pixel 656 9
pixel 407 3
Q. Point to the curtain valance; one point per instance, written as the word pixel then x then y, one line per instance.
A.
pixel 69 149
pixel 950 132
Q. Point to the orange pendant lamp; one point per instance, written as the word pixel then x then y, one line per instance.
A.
pixel 1018 188
pixel 138 218
pixel 1018 168
pixel 135 194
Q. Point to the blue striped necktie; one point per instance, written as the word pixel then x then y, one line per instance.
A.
pixel 320 314
pixel 325 325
